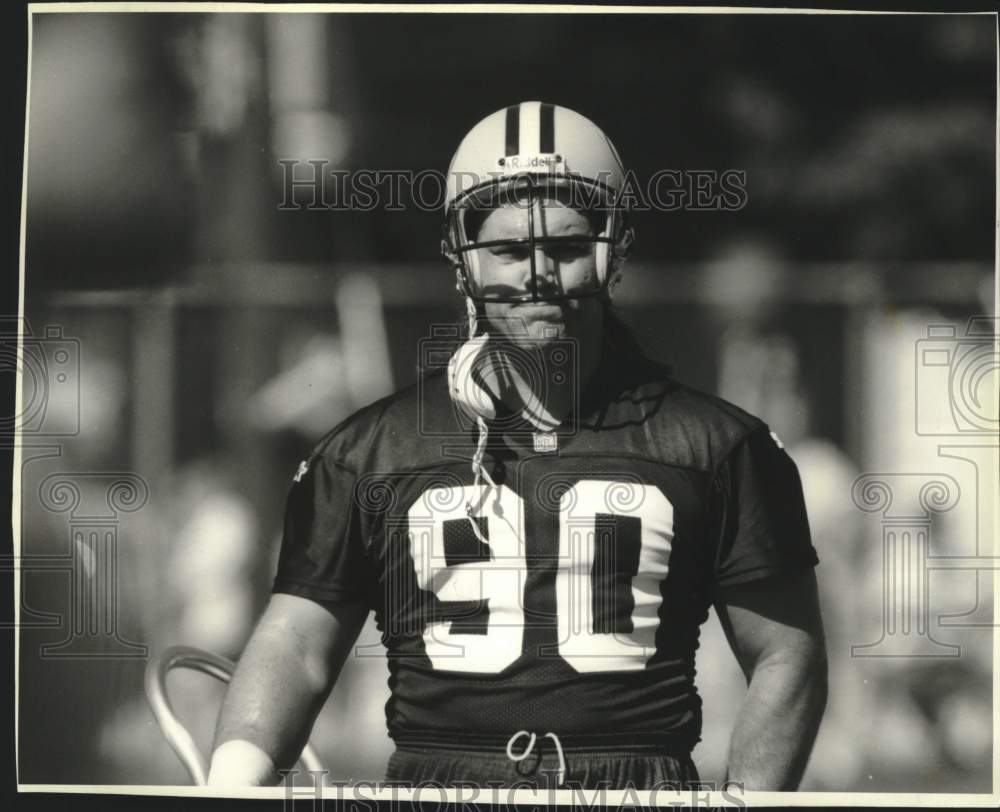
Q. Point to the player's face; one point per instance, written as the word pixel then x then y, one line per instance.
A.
pixel 560 268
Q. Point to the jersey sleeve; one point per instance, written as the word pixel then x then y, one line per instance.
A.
pixel 323 555
pixel 761 513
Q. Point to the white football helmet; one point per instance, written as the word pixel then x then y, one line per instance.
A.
pixel 519 154
pixel 523 153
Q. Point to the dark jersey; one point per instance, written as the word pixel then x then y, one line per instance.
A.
pixel 576 606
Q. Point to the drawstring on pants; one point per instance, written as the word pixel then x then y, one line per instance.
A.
pixel 532 738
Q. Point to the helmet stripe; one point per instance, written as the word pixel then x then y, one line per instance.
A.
pixel 513 129
pixel 547 130
pixel 529 126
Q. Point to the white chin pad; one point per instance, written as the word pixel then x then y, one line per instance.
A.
pixel 472 399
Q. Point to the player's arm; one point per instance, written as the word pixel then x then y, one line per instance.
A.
pixel 774 628
pixel 283 678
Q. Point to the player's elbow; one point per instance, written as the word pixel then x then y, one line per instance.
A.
pixel 303 668
pixel 816 680
pixel 809 675
pixel 800 669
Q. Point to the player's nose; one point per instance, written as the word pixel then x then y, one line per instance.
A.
pixel 544 277
pixel 544 280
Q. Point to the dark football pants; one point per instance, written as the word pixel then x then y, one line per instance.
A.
pixel 610 769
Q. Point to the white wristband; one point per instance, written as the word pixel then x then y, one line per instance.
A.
pixel 241 763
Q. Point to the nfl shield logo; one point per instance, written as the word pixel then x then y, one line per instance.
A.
pixel 545 442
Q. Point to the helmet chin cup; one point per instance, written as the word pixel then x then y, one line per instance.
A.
pixel 473 400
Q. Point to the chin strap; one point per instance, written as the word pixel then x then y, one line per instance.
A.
pixel 472 317
pixel 479 474
pixel 471 374
pixel 476 404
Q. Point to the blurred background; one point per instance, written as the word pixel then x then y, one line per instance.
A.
pixel 208 338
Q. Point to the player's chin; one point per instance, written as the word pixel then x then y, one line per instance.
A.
pixel 526 322
pixel 542 329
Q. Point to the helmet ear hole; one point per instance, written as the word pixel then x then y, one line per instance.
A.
pixel 454 259
pixel 619 254
pixel 449 254
pixel 626 243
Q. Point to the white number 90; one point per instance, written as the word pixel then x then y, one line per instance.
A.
pixel 612 563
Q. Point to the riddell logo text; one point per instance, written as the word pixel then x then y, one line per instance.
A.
pixel 513 162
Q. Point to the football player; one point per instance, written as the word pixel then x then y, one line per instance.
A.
pixel 542 528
